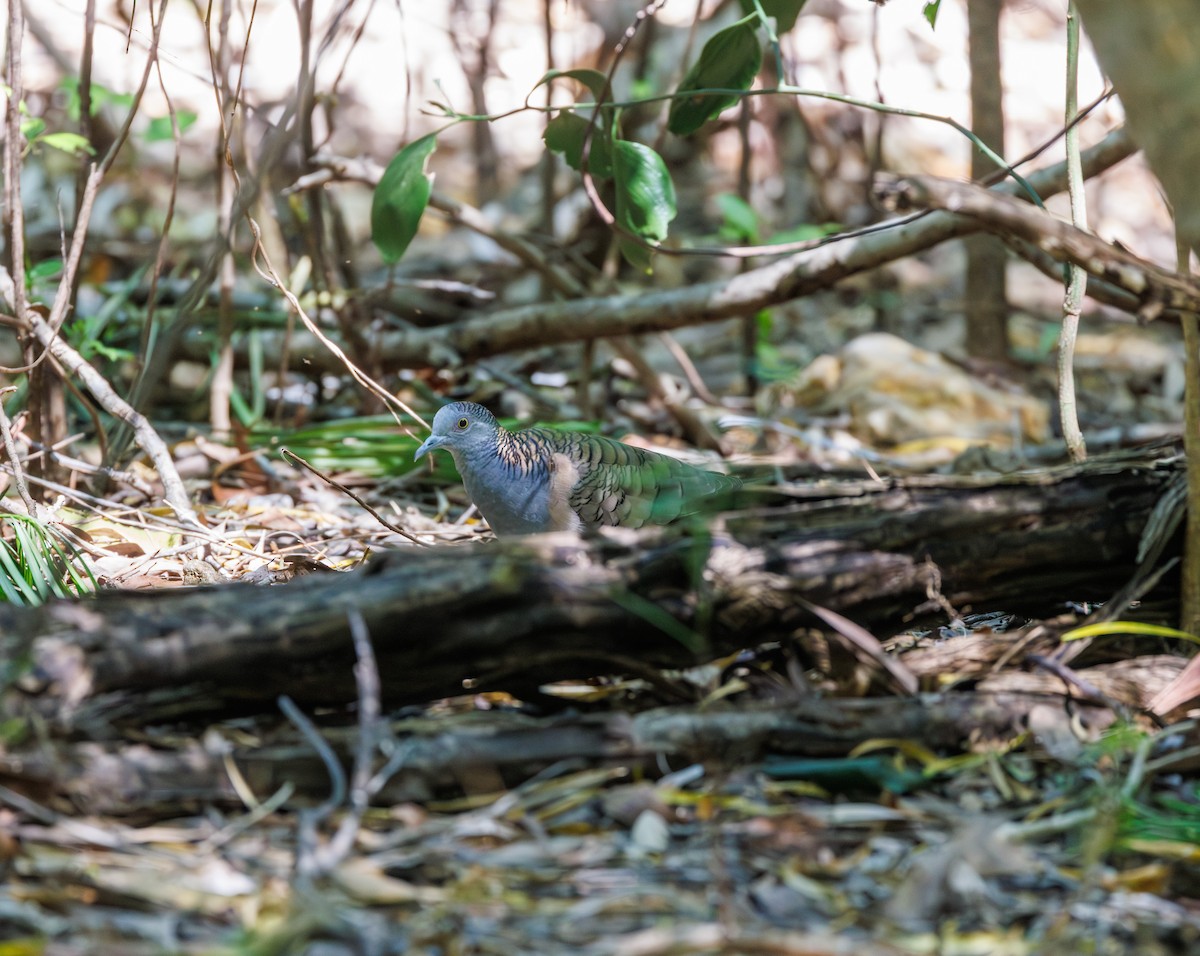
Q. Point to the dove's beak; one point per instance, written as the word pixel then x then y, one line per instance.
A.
pixel 430 443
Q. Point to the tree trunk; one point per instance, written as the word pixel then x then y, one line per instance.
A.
pixel 986 308
pixel 1152 54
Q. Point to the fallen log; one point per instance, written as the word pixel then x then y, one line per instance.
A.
pixel 455 755
pixel 515 614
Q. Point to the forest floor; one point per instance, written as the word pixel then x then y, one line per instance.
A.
pixel 955 788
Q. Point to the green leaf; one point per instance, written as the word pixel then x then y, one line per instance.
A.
pixel 14 589
pixel 930 12
pixel 46 269
pixel 785 12
pixel 1136 628
pixel 160 127
pixel 848 774
pixel 400 199
pixel 366 445
pixel 32 127
pixel 729 61
pixel 101 96
pixel 645 198
pixel 594 80
pixel 71 143
pixel 110 353
pixel 739 219
pixel 34 566
pixel 659 617
pixel 565 134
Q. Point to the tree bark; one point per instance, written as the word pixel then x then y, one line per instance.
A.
pixel 986 307
pixel 1152 54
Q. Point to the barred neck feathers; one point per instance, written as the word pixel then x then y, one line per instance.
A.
pixel 519 483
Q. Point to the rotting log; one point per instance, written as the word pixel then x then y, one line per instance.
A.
pixel 517 613
pixel 455 755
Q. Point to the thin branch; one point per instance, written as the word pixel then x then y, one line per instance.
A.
pixel 366 676
pixel 46 330
pixel 660 310
pixel 13 143
pixel 1068 409
pixel 288 455
pixel 1156 288
pixel 10 448
pixel 1189 598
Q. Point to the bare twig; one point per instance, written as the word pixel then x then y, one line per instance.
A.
pixel 160 257
pixel 10 448
pixel 688 367
pixel 46 330
pixel 366 677
pixel 220 59
pixel 1189 610
pixel 307 862
pixel 291 456
pixel 1098 290
pixel 311 860
pixel 698 432
pixel 14 210
pixel 267 271
pixel 174 492
pixel 866 647
pixel 1068 410
pixel 1088 690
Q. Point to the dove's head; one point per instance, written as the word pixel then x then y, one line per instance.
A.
pixel 463 429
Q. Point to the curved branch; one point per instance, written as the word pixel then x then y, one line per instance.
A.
pixel 557 323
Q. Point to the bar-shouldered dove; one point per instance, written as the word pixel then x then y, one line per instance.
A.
pixel 540 479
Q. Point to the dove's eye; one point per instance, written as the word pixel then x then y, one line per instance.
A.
pixel 462 423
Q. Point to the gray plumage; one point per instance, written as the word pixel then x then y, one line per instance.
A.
pixel 540 479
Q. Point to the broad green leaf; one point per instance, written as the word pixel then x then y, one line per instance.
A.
pixel 729 61
pixel 400 199
pixel 930 12
pixel 160 127
pixel 67 142
pixel 565 134
pixel 594 80
pixel 645 197
pixel 785 12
